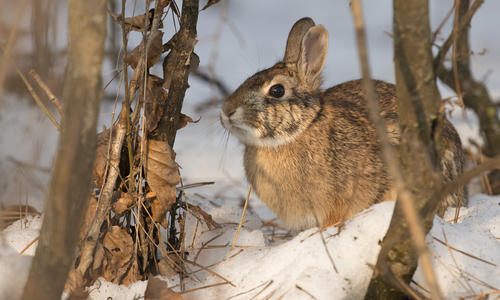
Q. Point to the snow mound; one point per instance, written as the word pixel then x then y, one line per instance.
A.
pixel 298 267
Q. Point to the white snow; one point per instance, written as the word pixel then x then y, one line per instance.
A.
pixel 298 266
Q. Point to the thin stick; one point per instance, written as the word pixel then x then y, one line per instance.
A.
pixel 30 244
pixel 463 252
pixel 482 295
pixel 202 287
pixel 33 93
pixel 456 264
pixel 267 283
pixel 454 57
pixel 417 232
pixel 210 271
pixel 8 48
pixel 46 89
pixel 304 291
pixel 242 217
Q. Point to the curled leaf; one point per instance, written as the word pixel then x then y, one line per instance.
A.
pixel 184 120
pixel 154 53
pixel 123 203
pixel 210 3
pixel 162 175
pixel 156 98
pixel 157 289
pixel 136 23
pixel 118 254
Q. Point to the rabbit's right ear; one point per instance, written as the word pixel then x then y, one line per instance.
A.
pixel 312 54
pixel 294 42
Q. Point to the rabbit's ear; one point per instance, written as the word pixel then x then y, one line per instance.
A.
pixel 313 53
pixel 294 42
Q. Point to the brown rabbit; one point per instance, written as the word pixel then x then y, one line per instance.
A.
pixel 310 154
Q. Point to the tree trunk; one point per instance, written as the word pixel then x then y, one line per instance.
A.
pixel 71 180
pixel 184 46
pixel 419 103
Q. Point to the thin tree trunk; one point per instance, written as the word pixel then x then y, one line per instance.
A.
pixel 184 46
pixel 71 180
pixel 419 103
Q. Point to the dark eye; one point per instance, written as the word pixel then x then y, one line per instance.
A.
pixel 277 91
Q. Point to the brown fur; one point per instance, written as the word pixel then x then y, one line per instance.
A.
pixel 312 155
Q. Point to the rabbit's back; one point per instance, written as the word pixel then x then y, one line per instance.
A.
pixel 334 168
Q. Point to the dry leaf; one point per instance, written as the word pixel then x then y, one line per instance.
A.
pixel 162 175
pixel 169 266
pixel 156 99
pixel 136 23
pixel 89 216
pixel 184 120
pixel 157 289
pixel 154 53
pixel 123 203
pixel 118 254
pixel 13 213
pixel 210 3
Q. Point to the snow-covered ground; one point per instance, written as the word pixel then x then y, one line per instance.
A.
pixel 266 264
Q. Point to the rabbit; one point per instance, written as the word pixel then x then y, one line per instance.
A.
pixel 312 155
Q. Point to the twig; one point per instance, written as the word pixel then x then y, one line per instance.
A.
pixel 29 245
pixel 104 202
pixel 306 292
pixel 210 271
pixel 408 205
pixel 463 252
pixel 482 295
pixel 33 93
pixel 454 58
pixel 242 217
pixel 202 287
pixel 455 262
pixel 47 91
pixel 267 283
pixel 438 61
pixel 8 48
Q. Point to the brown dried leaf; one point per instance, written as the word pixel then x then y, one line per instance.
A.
pixel 89 216
pixel 123 203
pixel 210 3
pixel 118 246
pixel 169 266
pixel 162 174
pixel 184 120
pixel 154 53
pixel 136 23
pixel 156 99
pixel 157 289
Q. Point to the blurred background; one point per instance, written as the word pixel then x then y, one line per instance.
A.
pixel 236 39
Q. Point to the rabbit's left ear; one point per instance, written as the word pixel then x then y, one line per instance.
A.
pixel 313 53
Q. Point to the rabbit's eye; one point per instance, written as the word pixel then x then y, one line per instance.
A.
pixel 277 91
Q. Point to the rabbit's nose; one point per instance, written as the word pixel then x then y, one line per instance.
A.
pixel 228 109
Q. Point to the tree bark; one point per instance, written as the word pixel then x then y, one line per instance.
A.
pixel 419 103
pixel 70 186
pixel 184 46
